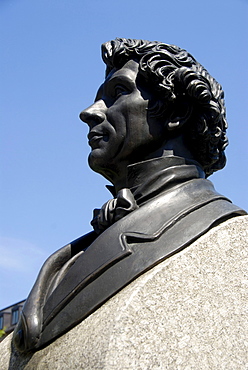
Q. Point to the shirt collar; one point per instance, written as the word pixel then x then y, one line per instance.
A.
pixel 149 178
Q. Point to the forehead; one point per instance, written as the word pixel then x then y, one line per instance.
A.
pixel 129 70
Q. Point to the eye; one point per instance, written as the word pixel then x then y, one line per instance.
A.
pixel 120 90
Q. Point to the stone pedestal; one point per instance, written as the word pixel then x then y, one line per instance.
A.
pixel 188 312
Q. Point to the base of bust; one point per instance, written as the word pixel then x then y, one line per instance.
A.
pixel 188 312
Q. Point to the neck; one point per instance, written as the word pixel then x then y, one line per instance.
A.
pixel 171 147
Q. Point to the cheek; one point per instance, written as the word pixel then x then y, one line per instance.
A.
pixel 128 118
pixel 117 118
pixel 138 126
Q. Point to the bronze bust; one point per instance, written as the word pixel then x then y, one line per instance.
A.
pixel 157 130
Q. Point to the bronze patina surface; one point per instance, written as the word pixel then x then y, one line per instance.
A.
pixel 157 130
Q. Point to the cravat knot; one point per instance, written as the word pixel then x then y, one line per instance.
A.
pixel 113 210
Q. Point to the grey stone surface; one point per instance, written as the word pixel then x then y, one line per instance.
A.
pixel 188 312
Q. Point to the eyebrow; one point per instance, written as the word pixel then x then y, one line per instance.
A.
pixel 113 79
pixel 121 78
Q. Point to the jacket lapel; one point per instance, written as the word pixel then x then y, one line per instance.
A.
pixel 159 228
pixel 105 251
pixel 145 224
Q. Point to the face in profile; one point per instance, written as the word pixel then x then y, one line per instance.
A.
pixel 120 132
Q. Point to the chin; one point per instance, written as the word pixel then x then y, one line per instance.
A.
pixel 93 162
pixel 97 162
pixel 100 165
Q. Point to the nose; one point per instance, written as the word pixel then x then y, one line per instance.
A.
pixel 94 114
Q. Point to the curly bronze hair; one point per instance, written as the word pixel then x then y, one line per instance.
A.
pixel 178 80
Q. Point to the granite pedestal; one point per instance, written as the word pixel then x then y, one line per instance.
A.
pixel 188 312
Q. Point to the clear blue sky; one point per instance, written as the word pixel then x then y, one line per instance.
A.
pixel 50 70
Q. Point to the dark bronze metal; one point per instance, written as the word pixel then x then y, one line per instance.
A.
pixel 157 129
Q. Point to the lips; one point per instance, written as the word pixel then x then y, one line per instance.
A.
pixel 94 137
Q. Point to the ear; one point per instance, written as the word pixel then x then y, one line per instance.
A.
pixel 181 114
pixel 173 125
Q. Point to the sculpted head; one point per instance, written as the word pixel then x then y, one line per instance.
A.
pixel 156 100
